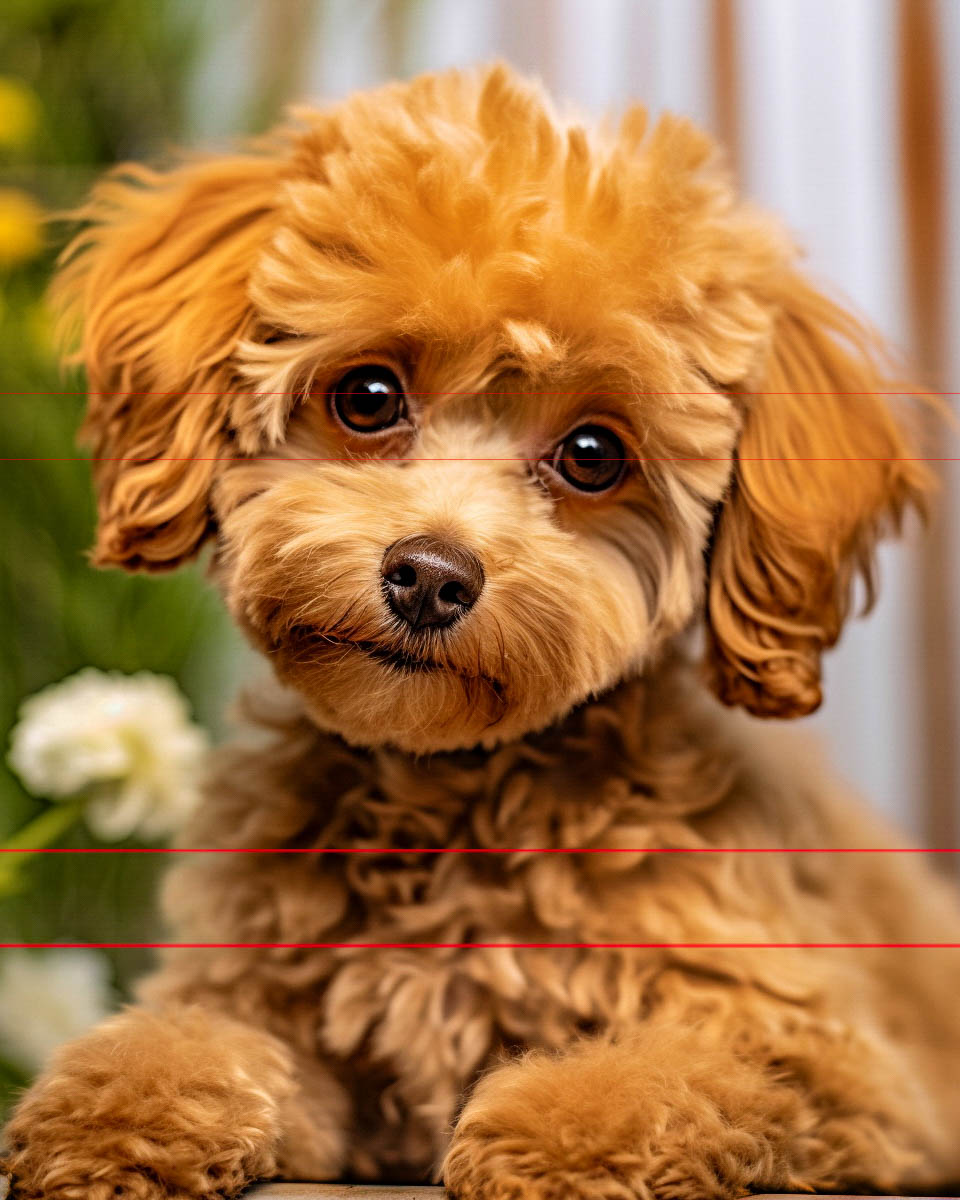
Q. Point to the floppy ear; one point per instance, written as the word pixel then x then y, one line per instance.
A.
pixel 824 464
pixel 156 283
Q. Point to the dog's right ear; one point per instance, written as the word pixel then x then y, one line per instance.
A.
pixel 155 285
pixel 826 464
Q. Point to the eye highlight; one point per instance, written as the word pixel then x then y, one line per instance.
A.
pixel 368 399
pixel 591 459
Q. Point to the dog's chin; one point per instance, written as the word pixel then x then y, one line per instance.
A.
pixel 376 694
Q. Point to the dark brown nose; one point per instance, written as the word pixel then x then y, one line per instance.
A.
pixel 429 582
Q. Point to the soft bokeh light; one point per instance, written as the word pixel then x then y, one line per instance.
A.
pixel 47 998
pixel 21 227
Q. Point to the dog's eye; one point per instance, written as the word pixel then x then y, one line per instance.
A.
pixel 590 458
pixel 368 399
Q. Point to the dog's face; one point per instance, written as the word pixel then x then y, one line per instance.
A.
pixel 481 410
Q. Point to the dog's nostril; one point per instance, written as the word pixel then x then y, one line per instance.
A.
pixel 455 593
pixel 403 576
pixel 429 582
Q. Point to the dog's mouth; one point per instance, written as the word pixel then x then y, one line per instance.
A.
pixel 403 662
pixel 399 660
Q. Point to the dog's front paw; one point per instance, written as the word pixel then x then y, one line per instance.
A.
pixel 489 1161
pixel 181 1106
pixel 534 1131
pixel 600 1124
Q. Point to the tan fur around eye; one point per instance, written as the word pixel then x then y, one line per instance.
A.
pixel 824 464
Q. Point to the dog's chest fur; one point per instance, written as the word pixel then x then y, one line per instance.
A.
pixel 418 1024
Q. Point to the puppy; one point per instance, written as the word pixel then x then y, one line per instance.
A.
pixel 486 417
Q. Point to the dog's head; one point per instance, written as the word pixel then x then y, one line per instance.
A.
pixel 481 409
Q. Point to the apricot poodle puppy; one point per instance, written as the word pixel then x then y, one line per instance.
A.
pixel 517 444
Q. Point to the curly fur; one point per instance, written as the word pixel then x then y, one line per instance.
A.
pixel 521 275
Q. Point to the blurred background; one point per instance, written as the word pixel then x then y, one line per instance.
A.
pixel 841 115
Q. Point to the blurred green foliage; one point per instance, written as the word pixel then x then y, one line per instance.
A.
pixel 83 83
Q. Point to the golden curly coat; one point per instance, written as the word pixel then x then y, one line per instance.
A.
pixel 520 277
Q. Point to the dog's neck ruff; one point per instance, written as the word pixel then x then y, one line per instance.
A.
pixel 623 761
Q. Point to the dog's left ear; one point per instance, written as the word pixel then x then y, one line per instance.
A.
pixel 824 464
pixel 156 286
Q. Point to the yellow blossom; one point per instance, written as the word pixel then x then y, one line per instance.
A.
pixel 21 221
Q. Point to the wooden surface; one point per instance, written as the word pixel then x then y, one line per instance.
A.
pixel 341 1191
pixel 365 1191
pixel 369 1191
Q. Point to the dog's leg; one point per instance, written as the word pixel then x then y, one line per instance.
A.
pixel 182 1104
pixel 687 1113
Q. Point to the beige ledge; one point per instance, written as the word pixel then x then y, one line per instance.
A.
pixel 341 1191
pixel 371 1191
pixel 368 1191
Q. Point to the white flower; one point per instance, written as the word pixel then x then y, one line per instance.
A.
pixel 47 998
pixel 124 741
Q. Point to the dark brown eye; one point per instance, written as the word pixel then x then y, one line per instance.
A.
pixel 590 459
pixel 368 399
